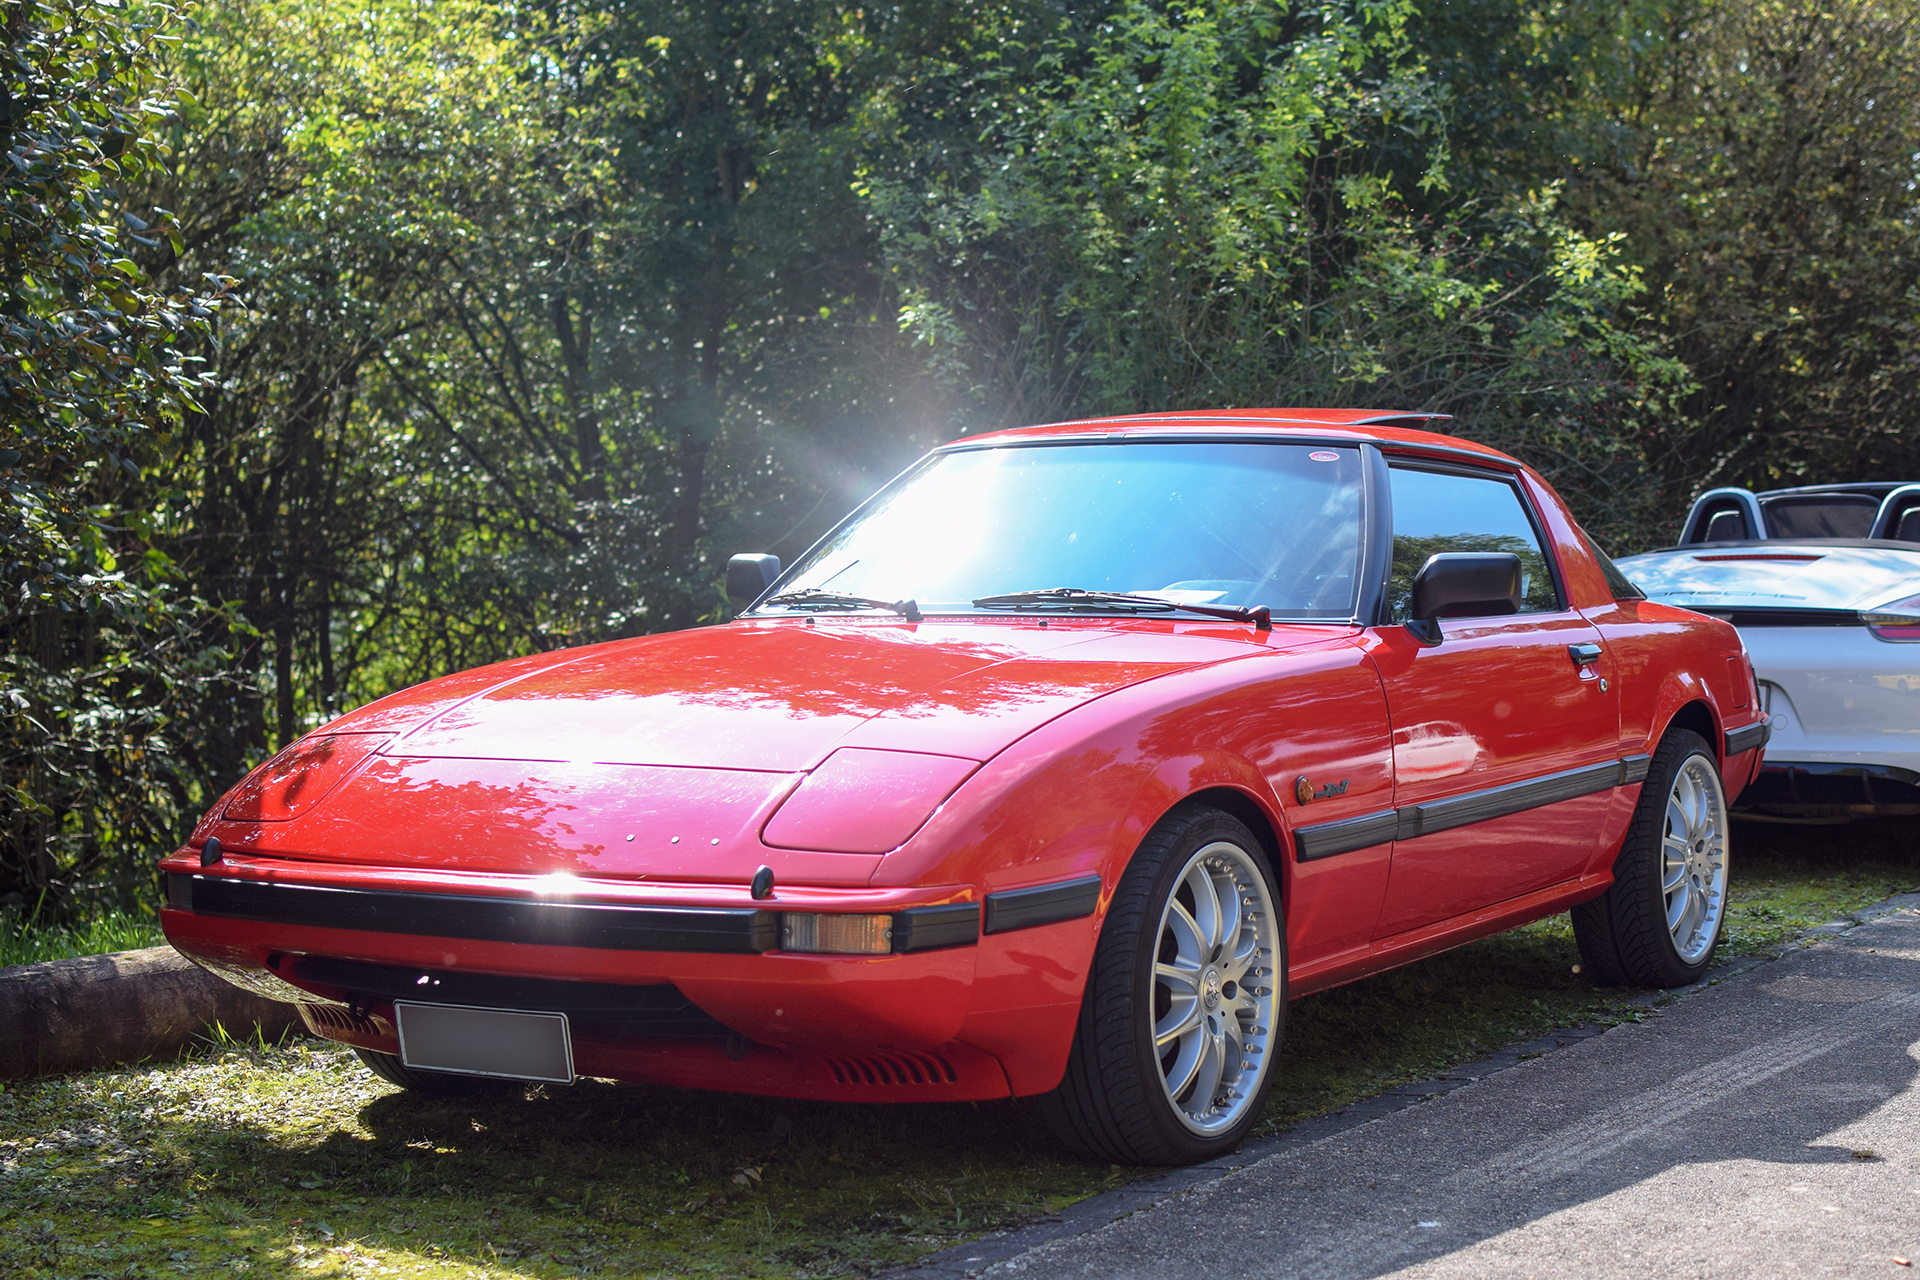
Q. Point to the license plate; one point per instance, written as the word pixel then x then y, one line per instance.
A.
pixel 485 1042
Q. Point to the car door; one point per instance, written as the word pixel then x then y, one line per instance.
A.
pixel 1504 732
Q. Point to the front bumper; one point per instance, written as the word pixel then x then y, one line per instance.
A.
pixel 680 985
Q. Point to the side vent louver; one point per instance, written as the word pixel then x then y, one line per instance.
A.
pixel 329 1021
pixel 894 1069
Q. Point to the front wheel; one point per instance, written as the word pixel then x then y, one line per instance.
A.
pixel 1186 1001
pixel 1659 923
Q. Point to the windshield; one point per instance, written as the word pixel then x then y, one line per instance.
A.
pixel 1210 524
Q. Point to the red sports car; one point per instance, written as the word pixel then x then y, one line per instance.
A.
pixel 1056 769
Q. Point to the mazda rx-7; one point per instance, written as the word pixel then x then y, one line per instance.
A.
pixel 1054 770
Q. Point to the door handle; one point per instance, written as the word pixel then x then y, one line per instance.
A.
pixel 1584 654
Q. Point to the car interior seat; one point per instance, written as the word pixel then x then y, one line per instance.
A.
pixel 1727 526
pixel 1908 530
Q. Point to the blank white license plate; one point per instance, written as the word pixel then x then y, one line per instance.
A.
pixel 485 1042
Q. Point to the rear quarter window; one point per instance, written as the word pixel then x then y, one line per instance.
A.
pixel 1617 582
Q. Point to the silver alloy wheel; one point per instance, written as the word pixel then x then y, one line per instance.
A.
pixel 1694 876
pixel 1213 988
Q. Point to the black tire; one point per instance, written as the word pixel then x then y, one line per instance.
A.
pixel 1626 935
pixel 437 1084
pixel 1117 1102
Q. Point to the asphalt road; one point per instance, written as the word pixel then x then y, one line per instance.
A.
pixel 1766 1126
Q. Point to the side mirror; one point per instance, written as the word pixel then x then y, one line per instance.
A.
pixel 1463 584
pixel 749 575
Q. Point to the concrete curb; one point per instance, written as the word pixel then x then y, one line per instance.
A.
pixel 1098 1211
pixel 94 1011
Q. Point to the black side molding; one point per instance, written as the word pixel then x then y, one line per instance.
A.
pixel 1042 904
pixel 723 930
pixel 1329 838
pixel 1409 822
pixel 1497 802
pixel 927 928
pixel 1754 735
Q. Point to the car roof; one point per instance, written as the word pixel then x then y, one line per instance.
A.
pixel 1387 427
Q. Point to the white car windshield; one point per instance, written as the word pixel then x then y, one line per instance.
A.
pixel 1214 524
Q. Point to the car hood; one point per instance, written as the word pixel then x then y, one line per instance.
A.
pixel 1777 575
pixel 665 757
pixel 780 696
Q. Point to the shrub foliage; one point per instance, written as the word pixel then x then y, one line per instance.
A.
pixel 349 344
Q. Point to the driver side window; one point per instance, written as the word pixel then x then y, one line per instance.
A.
pixel 1435 511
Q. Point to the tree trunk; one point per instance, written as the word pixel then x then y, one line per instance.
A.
pixel 329 697
pixel 576 352
pixel 74 1015
pixel 283 642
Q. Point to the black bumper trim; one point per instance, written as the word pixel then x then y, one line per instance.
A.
pixel 1791 785
pixel 1838 769
pixel 1043 904
pixel 1753 735
pixel 929 928
pixel 653 1010
pixel 722 930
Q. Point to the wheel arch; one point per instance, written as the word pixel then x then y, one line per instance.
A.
pixel 1238 804
pixel 1697 716
pixel 1026 1014
pixel 1221 779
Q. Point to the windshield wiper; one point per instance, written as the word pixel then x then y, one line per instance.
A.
pixel 1076 598
pixel 814 598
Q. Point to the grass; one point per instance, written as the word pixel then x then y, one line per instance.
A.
pixel 1789 878
pixel 24 943
pixel 256 1160
pixel 1417 1021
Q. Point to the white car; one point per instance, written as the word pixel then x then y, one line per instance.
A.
pixel 1870 509
pixel 1832 628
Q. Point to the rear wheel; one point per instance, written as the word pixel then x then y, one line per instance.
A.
pixel 1186 1002
pixel 439 1084
pixel 1659 923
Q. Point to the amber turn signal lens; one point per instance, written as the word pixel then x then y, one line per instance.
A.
pixel 836 934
